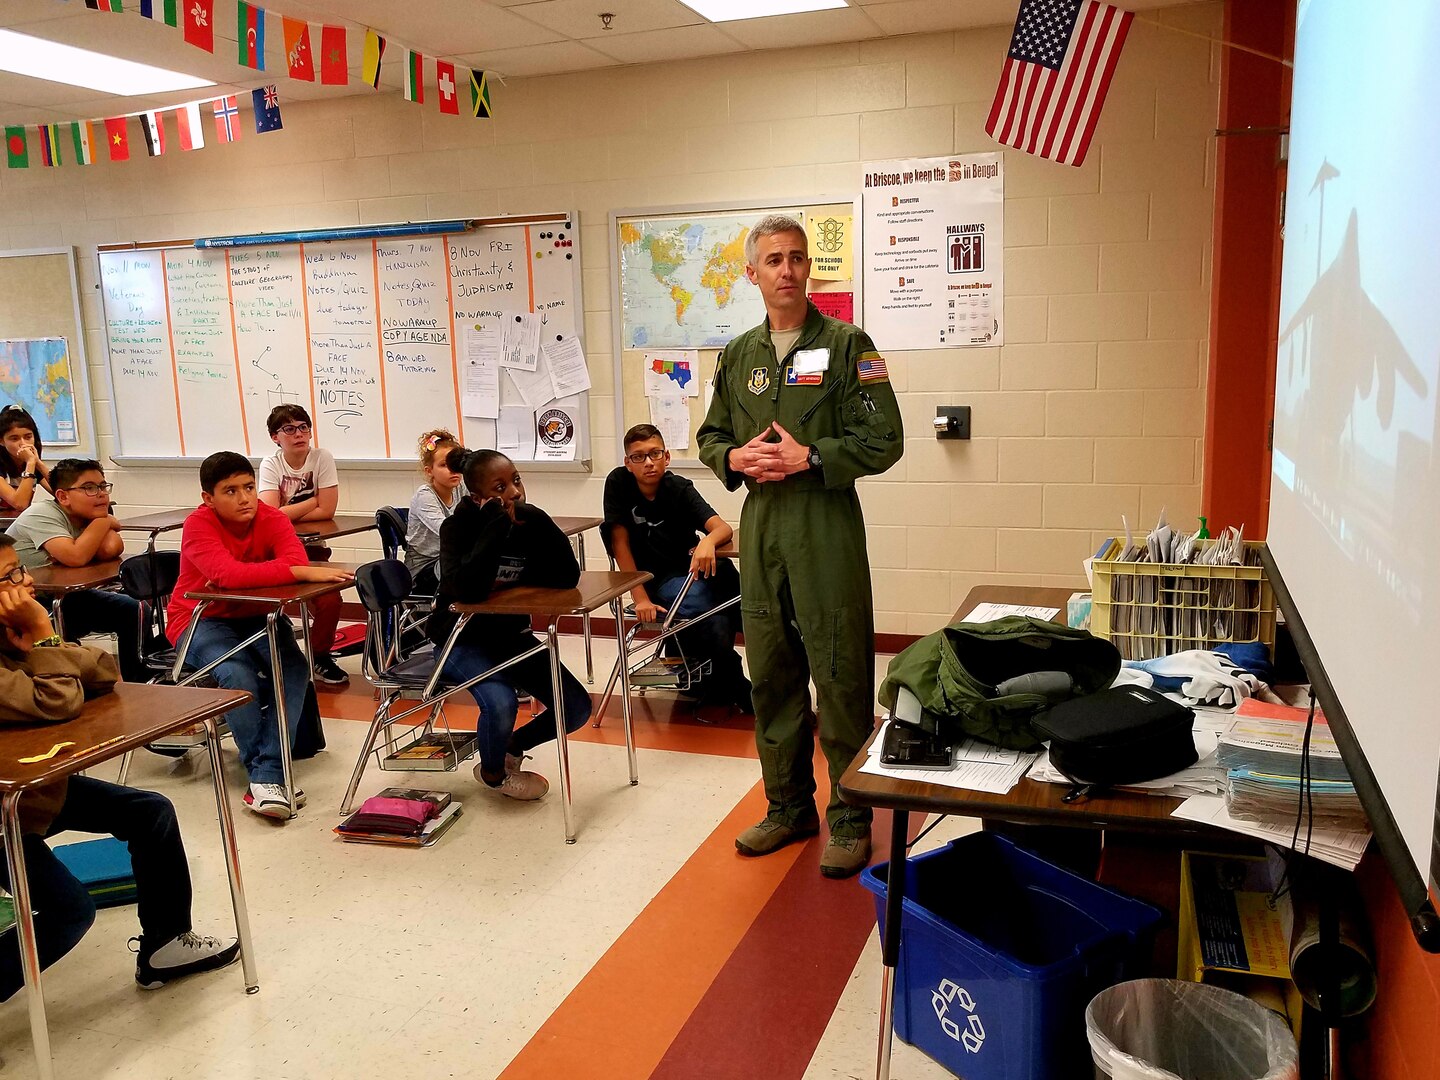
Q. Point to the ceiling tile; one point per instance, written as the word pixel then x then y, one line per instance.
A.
pixel 810 28
pixel 580 18
pixel 439 27
pixel 924 16
pixel 679 43
pixel 549 59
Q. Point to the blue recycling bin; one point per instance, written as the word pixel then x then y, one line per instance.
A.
pixel 1001 952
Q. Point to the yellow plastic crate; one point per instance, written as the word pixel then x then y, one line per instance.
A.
pixel 1155 609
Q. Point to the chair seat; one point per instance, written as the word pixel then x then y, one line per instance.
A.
pixel 413 671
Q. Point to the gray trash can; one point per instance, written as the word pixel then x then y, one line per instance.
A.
pixel 1162 1029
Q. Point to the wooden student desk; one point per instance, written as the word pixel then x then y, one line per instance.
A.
pixel 275 598
pixel 1029 803
pixel 596 589
pixel 311 532
pixel 56 580
pixel 132 715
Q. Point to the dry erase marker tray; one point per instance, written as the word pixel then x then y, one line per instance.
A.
pixel 1155 609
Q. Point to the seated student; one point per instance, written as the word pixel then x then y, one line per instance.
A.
pixel 21 467
pixel 433 502
pixel 76 528
pixel 43 681
pixel 653 517
pixel 303 483
pixel 496 540
pixel 234 541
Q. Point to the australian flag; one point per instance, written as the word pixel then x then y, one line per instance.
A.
pixel 267 109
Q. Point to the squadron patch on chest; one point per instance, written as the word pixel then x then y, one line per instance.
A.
pixel 759 380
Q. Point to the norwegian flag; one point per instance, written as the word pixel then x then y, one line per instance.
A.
pixel 1062 56
pixel 227 111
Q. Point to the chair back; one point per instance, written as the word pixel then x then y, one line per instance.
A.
pixel 382 586
pixel 393 523
pixel 150 576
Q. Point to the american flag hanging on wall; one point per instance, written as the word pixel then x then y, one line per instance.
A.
pixel 1057 72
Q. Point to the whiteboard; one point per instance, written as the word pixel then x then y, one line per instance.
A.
pixel 367 334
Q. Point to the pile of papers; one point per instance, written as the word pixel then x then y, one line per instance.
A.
pixel 978 766
pixel 1338 847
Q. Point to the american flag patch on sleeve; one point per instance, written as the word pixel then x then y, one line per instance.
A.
pixel 871 368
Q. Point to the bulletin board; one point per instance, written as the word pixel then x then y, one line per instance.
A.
pixel 681 294
pixel 42 348
pixel 379 338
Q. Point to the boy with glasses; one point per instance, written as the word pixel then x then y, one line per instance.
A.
pixel 654 521
pixel 301 481
pixel 76 528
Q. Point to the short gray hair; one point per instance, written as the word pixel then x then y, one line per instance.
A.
pixel 769 225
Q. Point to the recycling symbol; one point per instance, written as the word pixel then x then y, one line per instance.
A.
pixel 972 1037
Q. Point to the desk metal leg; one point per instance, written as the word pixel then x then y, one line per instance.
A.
pixel 557 690
pixel 232 855
pixel 890 941
pixel 277 689
pixel 25 927
pixel 585 618
pixel 622 666
pixel 305 637
pixel 58 611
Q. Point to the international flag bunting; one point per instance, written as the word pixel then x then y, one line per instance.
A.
pixel 192 135
pixel 117 138
pixel 227 119
pixel 164 10
pixel 153 129
pixel 200 24
pixel 479 95
pixel 103 5
pixel 1062 56
pixel 50 145
pixel 334 63
pixel 267 109
pixel 81 136
pixel 17 150
pixel 445 83
pixel 414 77
pixel 250 32
pixel 298 57
pixel 370 59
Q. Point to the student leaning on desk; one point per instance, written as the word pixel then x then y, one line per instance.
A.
pixel 234 541
pixel 44 680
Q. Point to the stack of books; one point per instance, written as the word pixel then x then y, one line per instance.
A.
pixel 1263 757
pixel 407 817
pixel 432 751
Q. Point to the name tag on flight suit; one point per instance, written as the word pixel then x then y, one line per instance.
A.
pixel 811 361
pixel 794 377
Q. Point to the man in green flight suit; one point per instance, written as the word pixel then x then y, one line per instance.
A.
pixel 802 407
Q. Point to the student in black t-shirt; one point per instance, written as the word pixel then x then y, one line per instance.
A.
pixel 496 540
pixel 658 522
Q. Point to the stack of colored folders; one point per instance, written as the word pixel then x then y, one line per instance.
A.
pixel 404 816
pixel 103 867
pixel 1263 755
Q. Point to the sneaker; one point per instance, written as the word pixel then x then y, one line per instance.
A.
pixel 774 833
pixel 330 673
pixel 187 954
pixel 269 800
pixel 521 785
pixel 514 762
pixel 845 856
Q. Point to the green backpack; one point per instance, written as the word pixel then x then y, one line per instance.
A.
pixel 954 673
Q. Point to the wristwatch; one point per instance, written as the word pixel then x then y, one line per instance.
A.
pixel 27 476
pixel 814 460
pixel 52 641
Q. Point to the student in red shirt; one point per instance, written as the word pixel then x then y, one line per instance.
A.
pixel 234 541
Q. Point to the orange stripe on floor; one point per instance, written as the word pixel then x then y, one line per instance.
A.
pixel 623 1016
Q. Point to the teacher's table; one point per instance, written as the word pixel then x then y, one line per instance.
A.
pixel 131 715
pixel 1028 803
pixel 575 528
pixel 596 589
pixel 276 598
pixel 56 580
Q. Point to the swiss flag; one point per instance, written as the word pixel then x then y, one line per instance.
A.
pixel 200 24
pixel 445 79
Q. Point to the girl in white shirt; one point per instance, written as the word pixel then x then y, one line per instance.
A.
pixel 431 504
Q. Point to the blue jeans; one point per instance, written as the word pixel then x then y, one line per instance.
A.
pixel 253 724
pixel 98 611
pixel 495 733
pixel 710 639
pixel 64 910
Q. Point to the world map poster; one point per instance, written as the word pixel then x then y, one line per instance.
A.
pixel 682 280
pixel 35 374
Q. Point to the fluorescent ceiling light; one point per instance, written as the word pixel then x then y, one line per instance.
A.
pixel 730 10
pixel 49 60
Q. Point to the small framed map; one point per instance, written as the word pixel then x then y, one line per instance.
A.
pixel 35 374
